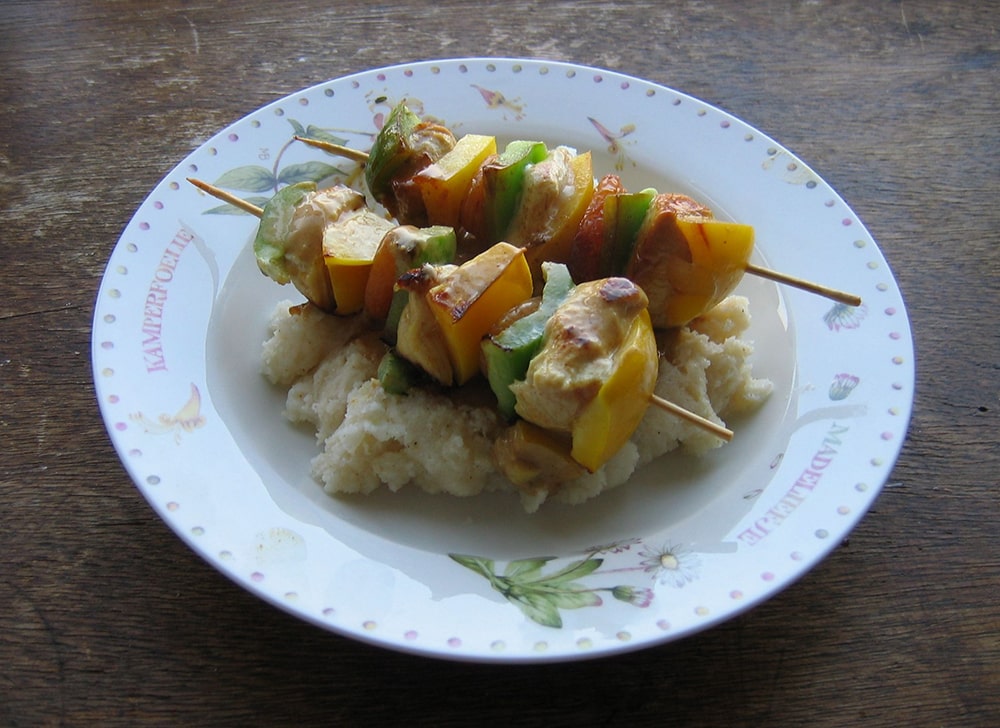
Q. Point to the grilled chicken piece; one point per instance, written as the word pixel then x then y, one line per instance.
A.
pixel 534 459
pixel 578 354
pixel 662 254
pixel 429 143
pixel 546 185
pixel 303 245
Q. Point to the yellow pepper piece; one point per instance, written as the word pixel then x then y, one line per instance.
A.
pixel 563 228
pixel 687 261
pixel 719 253
pixel 445 184
pixel 349 246
pixel 472 298
pixel 609 419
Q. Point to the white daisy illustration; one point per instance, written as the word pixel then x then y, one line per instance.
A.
pixel 671 564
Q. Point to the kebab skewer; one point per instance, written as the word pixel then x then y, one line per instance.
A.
pixel 547 201
pixel 479 316
pixel 833 294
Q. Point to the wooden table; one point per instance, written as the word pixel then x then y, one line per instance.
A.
pixel 107 618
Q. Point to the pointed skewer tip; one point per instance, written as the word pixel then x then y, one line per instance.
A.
pixel 848 299
pixel 339 149
pixel 716 429
pixel 232 199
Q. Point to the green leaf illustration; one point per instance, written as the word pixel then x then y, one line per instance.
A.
pixel 539 609
pixel 538 595
pixel 315 132
pixel 297 128
pixel 572 598
pixel 526 569
pixel 483 567
pixel 250 178
pixel 307 172
pixel 575 570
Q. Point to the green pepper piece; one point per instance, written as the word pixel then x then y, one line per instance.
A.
pixel 390 151
pixel 505 184
pixel 623 216
pixel 435 245
pixel 396 374
pixel 508 352
pixel 270 244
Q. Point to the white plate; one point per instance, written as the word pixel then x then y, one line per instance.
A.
pixel 182 312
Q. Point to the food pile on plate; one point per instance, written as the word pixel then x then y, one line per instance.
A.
pixel 515 325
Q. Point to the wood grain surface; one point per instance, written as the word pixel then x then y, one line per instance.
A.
pixel 106 618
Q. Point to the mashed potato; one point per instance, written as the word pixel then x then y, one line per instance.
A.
pixel 442 442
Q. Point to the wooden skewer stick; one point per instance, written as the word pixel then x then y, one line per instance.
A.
pixel 689 416
pixel 356 154
pixel 789 280
pixel 832 293
pixel 227 197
